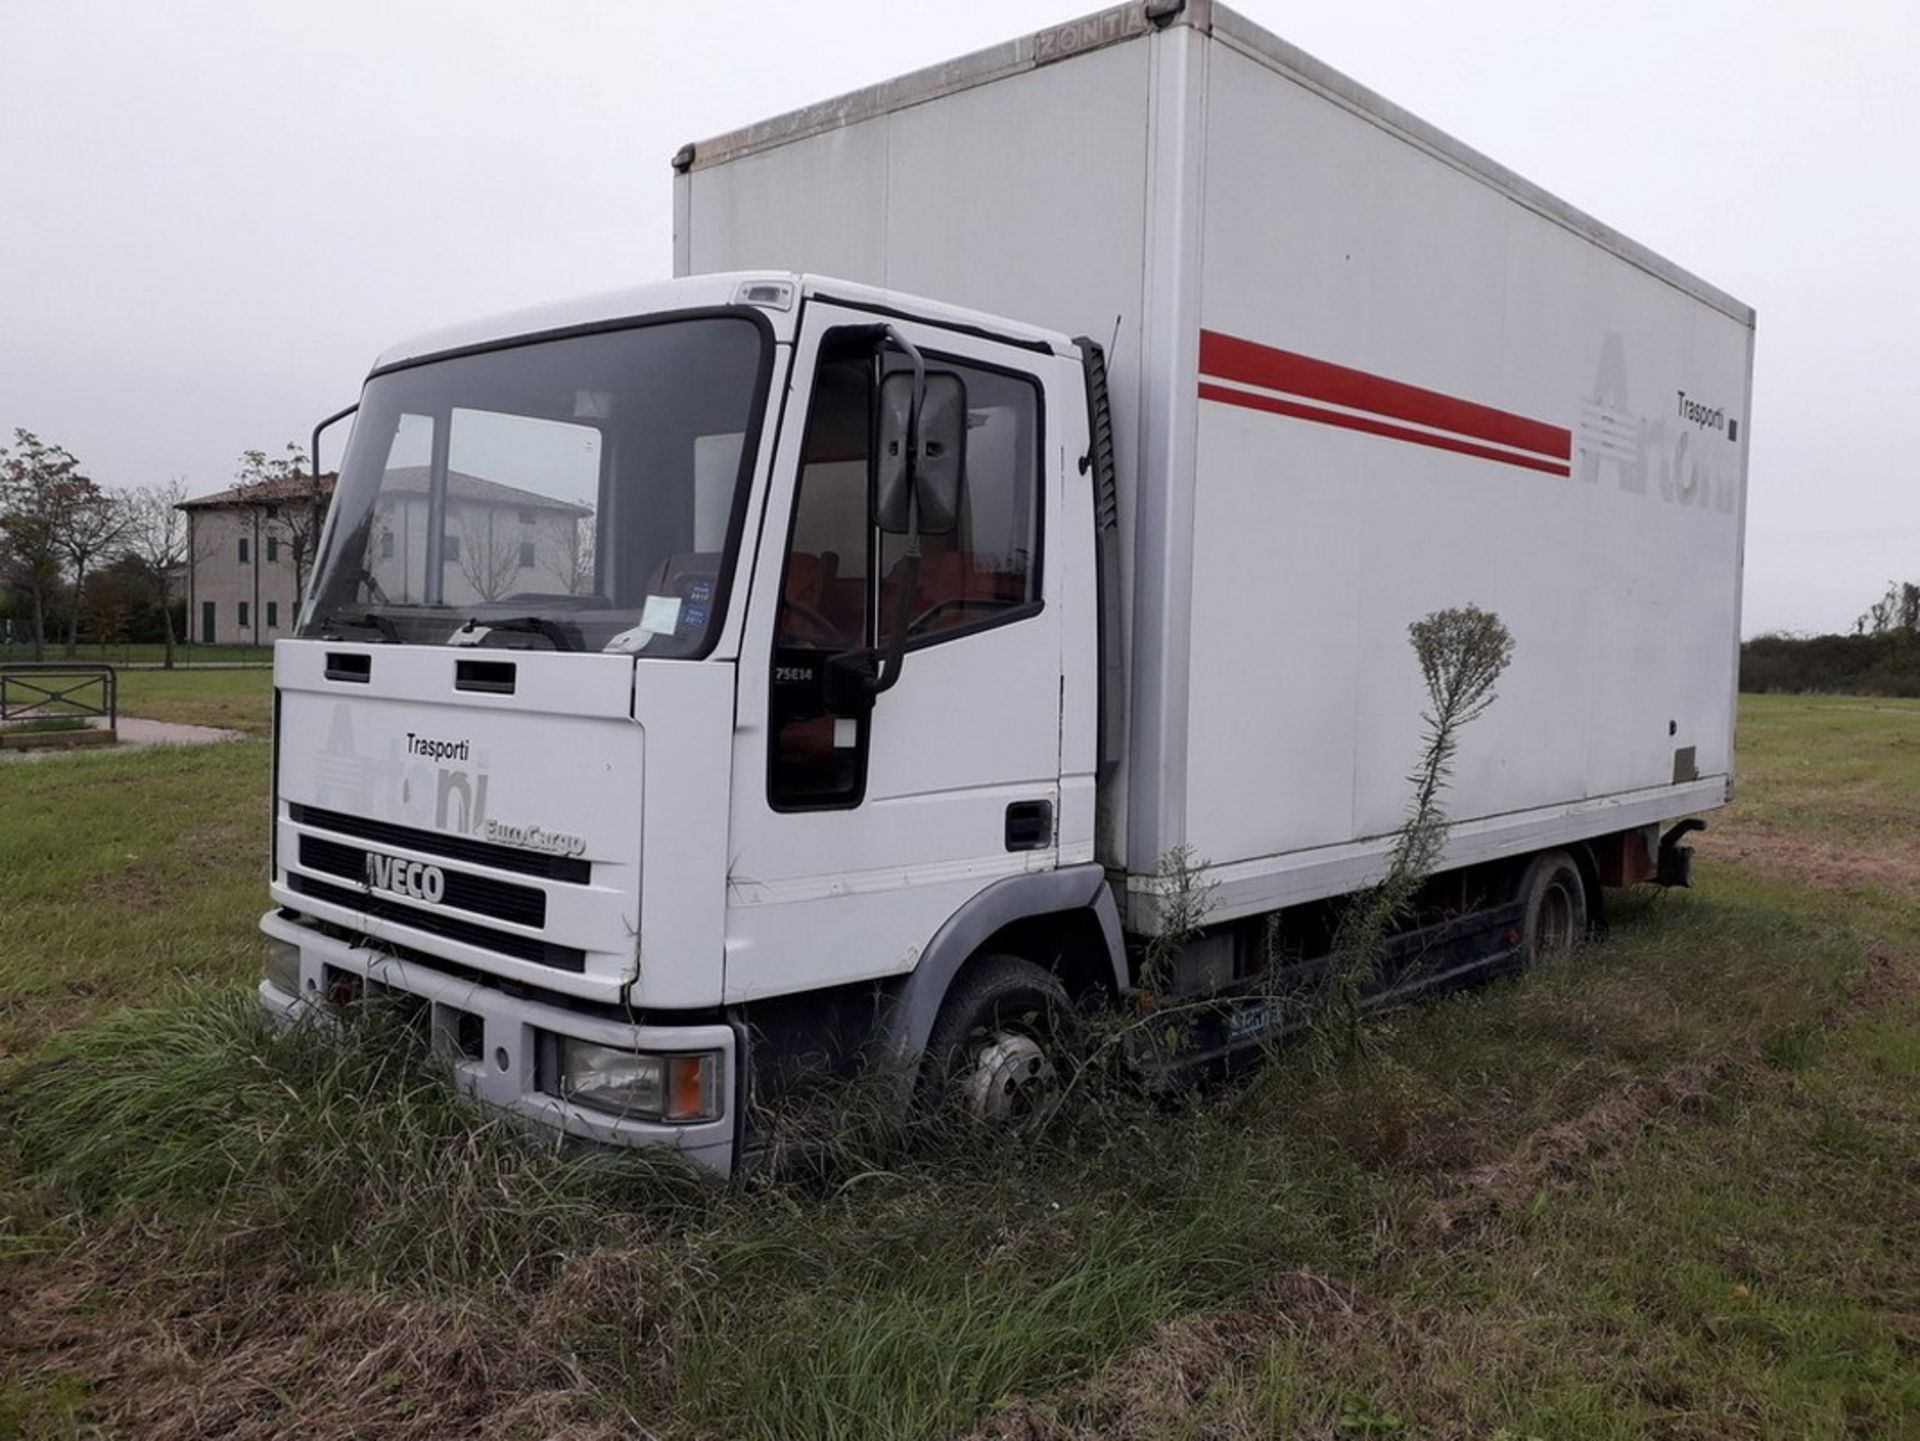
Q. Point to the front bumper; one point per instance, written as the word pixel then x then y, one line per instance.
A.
pixel 503 1071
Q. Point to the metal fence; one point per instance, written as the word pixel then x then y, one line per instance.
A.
pixel 59 690
pixel 137 655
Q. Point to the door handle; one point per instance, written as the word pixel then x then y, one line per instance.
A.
pixel 1029 825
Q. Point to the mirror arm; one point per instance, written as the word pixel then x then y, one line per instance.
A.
pixel 896 652
pixel 325 528
pixel 313 456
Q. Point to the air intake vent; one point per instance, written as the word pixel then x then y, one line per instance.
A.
pixel 571 869
pixel 1106 554
pixel 436 923
pixel 483 895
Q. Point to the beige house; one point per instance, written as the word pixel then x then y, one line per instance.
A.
pixel 253 547
pixel 500 540
pixel 250 552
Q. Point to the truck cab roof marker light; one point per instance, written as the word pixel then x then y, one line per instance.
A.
pixel 769 294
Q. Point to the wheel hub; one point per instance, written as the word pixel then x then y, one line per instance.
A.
pixel 1556 921
pixel 1011 1078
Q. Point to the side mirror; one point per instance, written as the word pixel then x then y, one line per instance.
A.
pixel 852 681
pixel 940 465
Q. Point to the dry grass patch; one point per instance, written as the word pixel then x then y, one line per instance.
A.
pixel 253 1355
pixel 1565 1154
pixel 1892 864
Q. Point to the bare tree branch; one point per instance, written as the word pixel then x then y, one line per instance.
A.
pixel 489 565
pixel 292 501
pixel 162 537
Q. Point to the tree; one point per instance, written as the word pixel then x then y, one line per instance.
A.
pixel 159 535
pixel 1897 613
pixel 119 601
pixel 292 502
pixel 85 523
pixel 575 550
pixel 38 482
pixel 490 566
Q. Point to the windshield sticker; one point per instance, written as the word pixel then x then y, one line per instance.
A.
pixel 629 642
pixel 660 614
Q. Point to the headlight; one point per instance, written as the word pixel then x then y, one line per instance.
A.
pixel 639 1083
pixel 283 966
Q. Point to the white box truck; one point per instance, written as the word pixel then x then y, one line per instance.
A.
pixel 1030 475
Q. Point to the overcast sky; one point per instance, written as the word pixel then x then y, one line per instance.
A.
pixel 213 215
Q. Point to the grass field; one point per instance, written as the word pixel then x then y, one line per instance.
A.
pixel 236 699
pixel 1668 1188
pixel 232 699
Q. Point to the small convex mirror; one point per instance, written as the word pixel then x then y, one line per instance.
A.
pixel 943 452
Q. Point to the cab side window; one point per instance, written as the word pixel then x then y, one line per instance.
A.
pixel 987 566
pixel 844 581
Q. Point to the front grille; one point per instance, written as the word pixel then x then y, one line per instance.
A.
pixel 501 900
pixel 455 848
pixel 438 923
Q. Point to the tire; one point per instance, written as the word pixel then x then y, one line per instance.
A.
pixel 999 1045
pixel 1555 918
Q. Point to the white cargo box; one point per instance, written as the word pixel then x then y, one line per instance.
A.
pixel 1360 373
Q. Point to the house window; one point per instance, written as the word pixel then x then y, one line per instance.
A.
pixel 273 553
pixel 273 615
pixel 526 517
pixel 526 555
pixel 386 545
pixel 243 608
pixel 451 548
pixel 243 556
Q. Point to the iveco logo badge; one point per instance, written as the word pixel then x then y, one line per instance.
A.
pixel 414 879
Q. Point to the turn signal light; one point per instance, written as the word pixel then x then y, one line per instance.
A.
pixel 693 1092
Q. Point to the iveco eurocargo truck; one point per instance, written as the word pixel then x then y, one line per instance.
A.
pixel 1029 475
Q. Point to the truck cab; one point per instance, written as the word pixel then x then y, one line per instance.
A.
pixel 693 680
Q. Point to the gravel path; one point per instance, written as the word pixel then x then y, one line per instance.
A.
pixel 134 734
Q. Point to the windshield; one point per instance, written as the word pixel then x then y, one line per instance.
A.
pixel 575 494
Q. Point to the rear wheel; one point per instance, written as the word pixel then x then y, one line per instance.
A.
pixel 998 1047
pixel 1555 919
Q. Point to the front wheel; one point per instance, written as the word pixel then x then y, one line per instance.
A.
pixel 999 1044
pixel 1555 897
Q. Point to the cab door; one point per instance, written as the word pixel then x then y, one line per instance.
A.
pixel 855 835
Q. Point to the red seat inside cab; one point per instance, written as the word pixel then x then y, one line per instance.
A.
pixel 820 609
pixel 672 575
pixel 810 590
pixel 949 577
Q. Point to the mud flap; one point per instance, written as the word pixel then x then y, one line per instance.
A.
pixel 1674 866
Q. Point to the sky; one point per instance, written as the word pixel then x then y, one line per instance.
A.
pixel 214 215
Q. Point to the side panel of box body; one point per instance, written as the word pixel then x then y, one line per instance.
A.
pixel 1050 195
pixel 1418 393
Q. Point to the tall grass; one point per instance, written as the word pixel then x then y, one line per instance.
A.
pixel 342 1147
pixel 907 1290
pixel 209 1227
pixel 899 1298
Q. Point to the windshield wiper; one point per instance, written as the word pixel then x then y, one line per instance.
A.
pixel 389 632
pixel 525 625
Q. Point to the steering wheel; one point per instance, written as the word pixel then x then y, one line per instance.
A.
pixel 818 630
pixel 957 602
